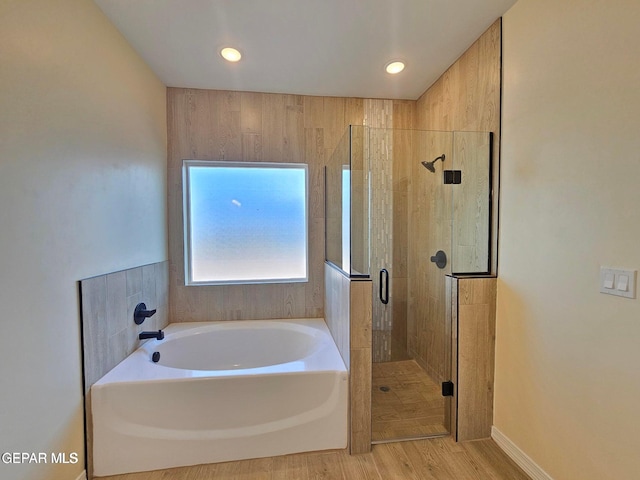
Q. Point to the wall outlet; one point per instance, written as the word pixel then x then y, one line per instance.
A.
pixel 618 281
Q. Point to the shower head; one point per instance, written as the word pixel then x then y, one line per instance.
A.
pixel 429 165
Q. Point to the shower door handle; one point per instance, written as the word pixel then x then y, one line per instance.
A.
pixel 384 274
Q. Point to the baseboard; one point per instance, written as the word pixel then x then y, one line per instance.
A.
pixel 82 476
pixel 523 460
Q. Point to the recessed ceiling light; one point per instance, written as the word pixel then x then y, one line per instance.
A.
pixel 394 67
pixel 230 54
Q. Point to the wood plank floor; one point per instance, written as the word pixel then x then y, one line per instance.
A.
pixel 432 459
pixel 405 402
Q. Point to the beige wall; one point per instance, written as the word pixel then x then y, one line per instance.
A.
pixel 82 193
pixel 568 358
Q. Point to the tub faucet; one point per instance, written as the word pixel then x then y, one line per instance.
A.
pixel 141 313
pixel 159 335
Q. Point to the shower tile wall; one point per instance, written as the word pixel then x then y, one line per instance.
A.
pixel 108 301
pixel 378 114
pixel 360 366
pixel 403 115
pixel 336 287
pixel 470 232
pixel 429 231
pixel 348 306
pixel 465 98
pixel 473 310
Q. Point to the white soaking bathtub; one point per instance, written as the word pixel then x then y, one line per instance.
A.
pixel 221 391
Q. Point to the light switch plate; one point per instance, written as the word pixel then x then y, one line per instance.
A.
pixel 605 281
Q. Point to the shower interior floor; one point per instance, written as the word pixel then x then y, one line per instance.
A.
pixel 412 406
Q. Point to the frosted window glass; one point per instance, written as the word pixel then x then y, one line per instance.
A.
pixel 246 222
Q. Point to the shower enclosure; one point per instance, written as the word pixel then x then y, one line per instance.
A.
pixel 406 208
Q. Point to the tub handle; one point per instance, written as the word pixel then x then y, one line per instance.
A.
pixel 384 274
pixel 141 313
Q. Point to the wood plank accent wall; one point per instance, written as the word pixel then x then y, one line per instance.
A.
pixel 246 126
pixel 467 98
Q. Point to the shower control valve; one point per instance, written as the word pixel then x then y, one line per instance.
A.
pixel 440 259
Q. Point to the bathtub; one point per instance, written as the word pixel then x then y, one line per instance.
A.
pixel 221 391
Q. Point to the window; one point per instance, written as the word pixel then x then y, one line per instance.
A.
pixel 245 222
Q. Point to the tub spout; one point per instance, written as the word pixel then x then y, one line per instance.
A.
pixel 159 335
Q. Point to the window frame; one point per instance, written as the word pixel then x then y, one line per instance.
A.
pixel 186 219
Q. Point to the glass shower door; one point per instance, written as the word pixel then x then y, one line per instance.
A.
pixel 411 223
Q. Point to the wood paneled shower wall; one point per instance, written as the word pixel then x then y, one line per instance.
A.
pixel 465 98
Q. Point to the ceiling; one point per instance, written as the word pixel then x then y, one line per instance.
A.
pixel 310 47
